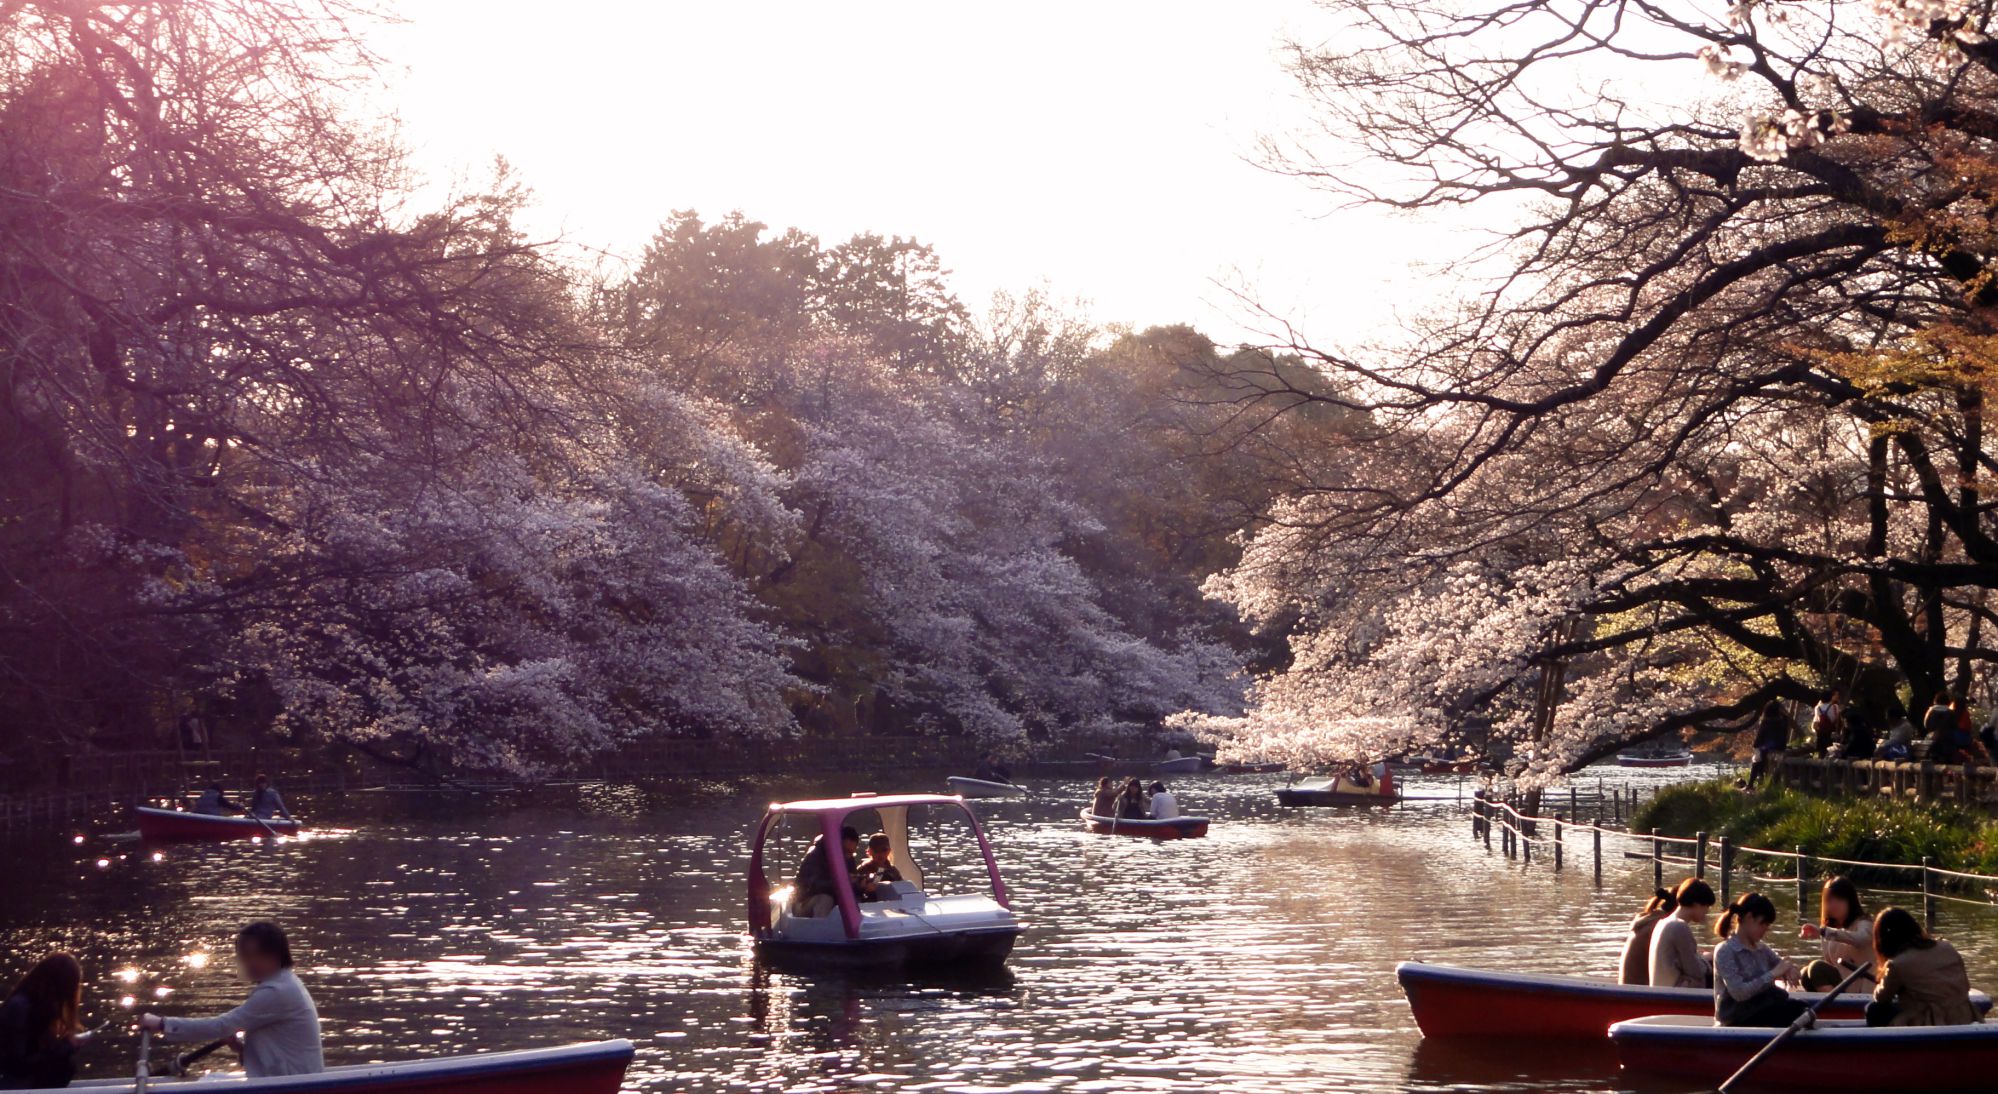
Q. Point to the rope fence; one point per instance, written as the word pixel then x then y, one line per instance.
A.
pixel 1521 836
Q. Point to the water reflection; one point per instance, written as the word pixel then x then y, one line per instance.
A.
pixel 1258 959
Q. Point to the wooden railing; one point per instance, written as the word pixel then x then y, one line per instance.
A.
pixel 1966 785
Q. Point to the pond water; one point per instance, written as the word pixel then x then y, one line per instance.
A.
pixel 1259 958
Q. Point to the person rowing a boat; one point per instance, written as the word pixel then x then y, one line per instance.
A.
pixel 266 803
pixel 813 891
pixel 991 770
pixel 214 803
pixel 1105 802
pixel 277 1028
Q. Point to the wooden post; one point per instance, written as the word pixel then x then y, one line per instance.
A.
pixel 1726 870
pixel 1657 861
pixel 1557 841
pixel 1803 885
pixel 1488 824
pixel 1596 834
pixel 1928 894
pixel 1618 805
pixel 1574 804
pixel 1700 857
pixel 1526 843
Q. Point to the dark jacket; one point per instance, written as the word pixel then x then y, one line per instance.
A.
pixel 1859 741
pixel 1939 725
pixel 1772 734
pixel 31 1057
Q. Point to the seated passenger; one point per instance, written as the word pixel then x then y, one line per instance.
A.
pixel 1747 973
pixel 876 868
pixel 814 889
pixel 990 770
pixel 1675 960
pixel 39 1030
pixel 1922 979
pixel 1846 935
pixel 214 803
pixel 265 804
pixel 1132 804
pixel 1164 806
pixel 1105 804
pixel 1635 968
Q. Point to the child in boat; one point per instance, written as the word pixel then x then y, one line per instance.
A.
pixel 875 868
pixel 1675 959
pixel 1635 967
pixel 39 1028
pixel 1846 935
pixel 1922 979
pixel 1747 973
pixel 1105 804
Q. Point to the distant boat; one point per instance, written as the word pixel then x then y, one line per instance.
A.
pixel 1170 828
pixel 1271 768
pixel 179 826
pixel 1377 789
pixel 1655 757
pixel 965 787
pixel 1180 765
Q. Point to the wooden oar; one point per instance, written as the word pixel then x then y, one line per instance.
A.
pixel 1803 1022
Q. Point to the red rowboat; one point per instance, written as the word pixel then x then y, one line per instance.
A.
pixel 177 826
pixel 1834 1056
pixel 1170 828
pixel 1454 1002
pixel 593 1068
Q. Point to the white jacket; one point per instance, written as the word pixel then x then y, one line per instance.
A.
pixel 279 1024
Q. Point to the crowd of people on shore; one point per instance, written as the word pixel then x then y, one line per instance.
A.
pixel 1133 800
pixel 1948 734
pixel 1915 979
pixel 275 1030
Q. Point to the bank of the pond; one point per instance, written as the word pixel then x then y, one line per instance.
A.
pixel 1881 830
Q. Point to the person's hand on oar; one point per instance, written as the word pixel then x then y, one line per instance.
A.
pixel 1803 1022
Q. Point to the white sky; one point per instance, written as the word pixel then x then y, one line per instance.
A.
pixel 1101 148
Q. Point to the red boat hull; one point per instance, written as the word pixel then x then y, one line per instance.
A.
pixel 1452 1002
pixel 1932 1058
pixel 173 826
pixel 1175 828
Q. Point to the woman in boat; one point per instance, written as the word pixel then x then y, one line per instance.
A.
pixel 1105 804
pixel 1133 803
pixel 277 1025
pixel 39 1030
pixel 1675 959
pixel 1845 933
pixel 1922 979
pixel 1635 967
pixel 266 803
pixel 1747 973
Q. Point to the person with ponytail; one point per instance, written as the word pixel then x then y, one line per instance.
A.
pixel 1676 960
pixel 1636 964
pixel 39 1030
pixel 1846 935
pixel 1922 979
pixel 1747 973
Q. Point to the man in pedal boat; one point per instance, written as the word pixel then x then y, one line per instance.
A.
pixel 277 1026
pixel 813 893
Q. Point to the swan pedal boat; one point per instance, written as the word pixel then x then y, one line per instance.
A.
pixel 1170 828
pixel 591 1068
pixel 905 926
pixel 1343 790
pixel 180 826
pixel 1837 1055
pixel 1456 1002
pixel 965 787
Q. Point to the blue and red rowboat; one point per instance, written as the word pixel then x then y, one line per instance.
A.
pixel 593 1068
pixel 1834 1056
pixel 903 926
pixel 179 826
pixel 1170 828
pixel 1455 1002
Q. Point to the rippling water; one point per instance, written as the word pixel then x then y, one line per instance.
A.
pixel 1257 959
